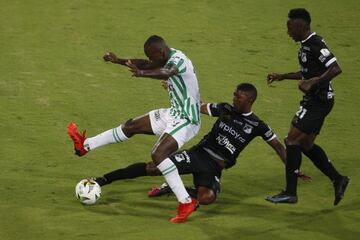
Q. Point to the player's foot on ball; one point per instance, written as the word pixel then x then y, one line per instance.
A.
pixel 282 197
pixel 159 191
pixel 340 187
pixel 78 139
pixel 100 180
pixel 184 210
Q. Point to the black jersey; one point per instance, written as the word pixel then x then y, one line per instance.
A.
pixel 315 58
pixel 232 132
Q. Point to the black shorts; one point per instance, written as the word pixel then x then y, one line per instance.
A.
pixel 196 161
pixel 311 115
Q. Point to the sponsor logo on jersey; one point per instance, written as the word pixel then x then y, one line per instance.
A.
pixel 157 115
pixel 330 95
pixel 252 122
pixel 303 57
pixel 176 58
pixel 224 141
pixel 230 130
pixel 322 58
pixel 174 124
pixel 238 122
pixel 247 128
pixel 325 52
pixel 304 69
pixel 170 86
pixel 182 156
pixel 269 133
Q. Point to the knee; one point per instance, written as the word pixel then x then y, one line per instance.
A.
pixel 206 198
pixel 307 146
pixel 161 152
pixel 129 128
pixel 152 170
pixel 157 156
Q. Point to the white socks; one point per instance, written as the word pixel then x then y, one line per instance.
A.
pixel 172 177
pixel 115 135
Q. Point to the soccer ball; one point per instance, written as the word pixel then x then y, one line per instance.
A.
pixel 88 191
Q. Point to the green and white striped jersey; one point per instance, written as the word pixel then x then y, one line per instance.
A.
pixel 183 88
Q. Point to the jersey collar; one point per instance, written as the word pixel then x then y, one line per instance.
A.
pixel 303 41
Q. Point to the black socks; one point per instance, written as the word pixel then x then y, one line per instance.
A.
pixel 293 161
pixel 132 171
pixel 317 155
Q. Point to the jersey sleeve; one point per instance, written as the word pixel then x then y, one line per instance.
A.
pixel 323 54
pixel 178 61
pixel 265 132
pixel 218 109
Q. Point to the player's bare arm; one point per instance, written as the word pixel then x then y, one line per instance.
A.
pixel 139 63
pixel 271 77
pixel 159 73
pixel 332 72
pixel 279 149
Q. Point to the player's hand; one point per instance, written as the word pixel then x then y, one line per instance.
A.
pixel 306 85
pixel 110 57
pixel 134 69
pixel 271 77
pixel 304 177
pixel 164 84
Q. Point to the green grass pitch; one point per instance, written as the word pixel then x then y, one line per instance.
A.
pixel 52 73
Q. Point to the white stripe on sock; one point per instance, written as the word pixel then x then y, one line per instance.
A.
pixel 173 179
pixel 115 135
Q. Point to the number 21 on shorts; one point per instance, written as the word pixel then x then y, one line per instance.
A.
pixel 301 113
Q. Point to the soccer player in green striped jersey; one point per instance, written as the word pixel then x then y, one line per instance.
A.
pixel 175 125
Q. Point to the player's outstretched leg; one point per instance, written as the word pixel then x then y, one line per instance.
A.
pixel 318 156
pixel 83 145
pixel 132 171
pixel 165 146
pixel 139 125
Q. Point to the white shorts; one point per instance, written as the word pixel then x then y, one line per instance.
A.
pixel 180 129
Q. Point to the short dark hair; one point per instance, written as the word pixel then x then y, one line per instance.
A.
pixel 153 39
pixel 300 13
pixel 249 88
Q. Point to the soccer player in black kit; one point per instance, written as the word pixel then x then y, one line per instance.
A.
pixel 318 67
pixel 234 129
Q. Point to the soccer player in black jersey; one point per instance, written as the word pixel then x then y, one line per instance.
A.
pixel 234 129
pixel 318 67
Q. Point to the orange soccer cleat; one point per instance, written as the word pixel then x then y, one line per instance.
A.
pixel 78 139
pixel 184 210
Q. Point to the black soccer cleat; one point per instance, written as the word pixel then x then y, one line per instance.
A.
pixel 340 187
pixel 282 197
